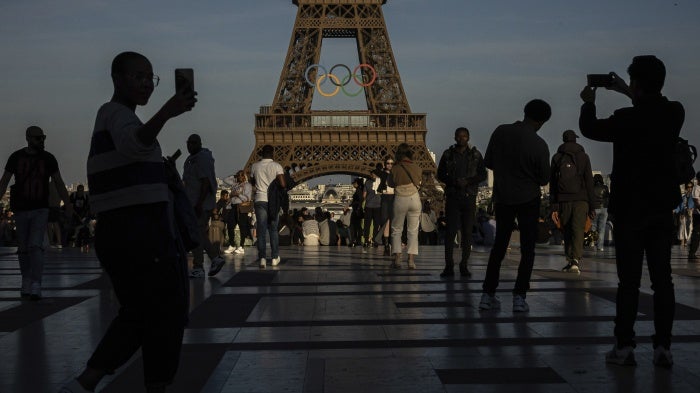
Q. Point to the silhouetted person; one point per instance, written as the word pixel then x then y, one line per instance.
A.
pixel 571 196
pixel 200 184
pixel 643 137
pixel 461 168
pixel 33 169
pixel 135 240
pixel 519 159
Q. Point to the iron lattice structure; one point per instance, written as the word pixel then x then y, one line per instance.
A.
pixel 317 143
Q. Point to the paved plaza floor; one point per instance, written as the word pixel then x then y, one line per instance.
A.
pixel 337 319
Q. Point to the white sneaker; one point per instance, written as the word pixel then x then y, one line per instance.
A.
pixel 519 304
pixel 230 250
pixel 276 261
pixel 263 263
pixel 239 250
pixel 197 273
pixel 489 302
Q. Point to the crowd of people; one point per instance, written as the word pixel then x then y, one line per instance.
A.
pixel 138 198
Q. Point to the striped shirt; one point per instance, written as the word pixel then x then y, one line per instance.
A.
pixel 121 170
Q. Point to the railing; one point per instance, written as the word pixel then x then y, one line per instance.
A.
pixel 340 120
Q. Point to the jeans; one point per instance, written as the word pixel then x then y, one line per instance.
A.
pixel 31 227
pixel 599 222
pixel 148 271
pixel 264 227
pixel 372 215
pixel 406 208
pixel 204 242
pixel 651 235
pixel 460 211
pixel 527 214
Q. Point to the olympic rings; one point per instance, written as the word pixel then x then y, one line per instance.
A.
pixel 337 82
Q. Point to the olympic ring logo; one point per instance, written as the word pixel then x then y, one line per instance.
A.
pixel 338 82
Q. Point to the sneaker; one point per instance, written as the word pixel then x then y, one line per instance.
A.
pixel 239 250
pixel 464 271
pixel 72 386
pixel 263 263
pixel 276 261
pixel 621 356
pixel 662 357
pixel 230 250
pixel 600 248
pixel 447 273
pixel 197 273
pixel 572 267
pixel 216 265
pixel 519 304
pixel 489 302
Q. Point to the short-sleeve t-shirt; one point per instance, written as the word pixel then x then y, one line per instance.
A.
pixel 32 173
pixel 264 172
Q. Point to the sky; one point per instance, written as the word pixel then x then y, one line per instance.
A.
pixel 463 63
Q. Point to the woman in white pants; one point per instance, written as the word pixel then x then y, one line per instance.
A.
pixel 407 205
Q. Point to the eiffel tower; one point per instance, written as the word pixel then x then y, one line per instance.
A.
pixel 314 143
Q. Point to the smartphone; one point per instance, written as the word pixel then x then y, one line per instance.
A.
pixel 184 79
pixel 176 155
pixel 600 80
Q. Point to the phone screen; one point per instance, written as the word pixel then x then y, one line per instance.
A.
pixel 184 79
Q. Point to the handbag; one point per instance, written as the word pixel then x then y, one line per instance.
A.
pixel 245 207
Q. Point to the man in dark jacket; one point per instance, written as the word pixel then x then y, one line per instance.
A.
pixel 571 196
pixel 461 168
pixel 643 138
pixel 519 159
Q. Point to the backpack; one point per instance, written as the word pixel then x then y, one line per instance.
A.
pixel 684 157
pixel 567 175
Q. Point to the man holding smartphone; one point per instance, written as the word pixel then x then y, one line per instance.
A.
pixel 135 240
pixel 643 221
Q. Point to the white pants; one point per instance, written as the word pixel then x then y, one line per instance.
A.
pixel 406 208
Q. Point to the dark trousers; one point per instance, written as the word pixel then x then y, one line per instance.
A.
pixel 695 236
pixel 527 215
pixel 460 211
pixel 241 219
pixel 373 215
pixel 572 215
pixel 651 235
pixel 149 277
pixel 356 230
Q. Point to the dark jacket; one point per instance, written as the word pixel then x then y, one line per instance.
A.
pixel 601 195
pixel 519 159
pixel 643 138
pixel 277 197
pixel 583 166
pixel 455 165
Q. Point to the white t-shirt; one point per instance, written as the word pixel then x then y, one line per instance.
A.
pixel 264 172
